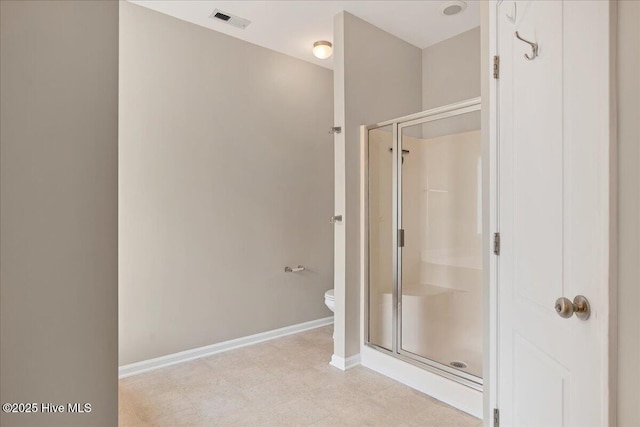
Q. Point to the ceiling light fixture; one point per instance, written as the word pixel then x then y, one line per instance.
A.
pixel 454 7
pixel 322 49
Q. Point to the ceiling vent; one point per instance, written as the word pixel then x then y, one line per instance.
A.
pixel 227 18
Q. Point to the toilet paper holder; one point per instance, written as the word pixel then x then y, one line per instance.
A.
pixel 294 269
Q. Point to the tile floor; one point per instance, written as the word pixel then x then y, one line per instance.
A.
pixel 284 382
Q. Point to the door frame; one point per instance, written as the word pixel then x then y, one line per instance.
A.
pixel 490 204
pixel 491 208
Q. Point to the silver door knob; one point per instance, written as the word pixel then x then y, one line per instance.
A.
pixel 335 218
pixel 580 306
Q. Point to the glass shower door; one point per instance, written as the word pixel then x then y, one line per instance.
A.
pixel 380 219
pixel 440 276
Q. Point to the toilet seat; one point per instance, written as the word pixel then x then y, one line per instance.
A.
pixel 330 299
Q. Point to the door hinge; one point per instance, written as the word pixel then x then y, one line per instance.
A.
pixel 496 417
pixel 401 238
pixel 496 243
pixel 496 67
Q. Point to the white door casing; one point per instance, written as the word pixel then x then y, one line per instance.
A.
pixel 554 175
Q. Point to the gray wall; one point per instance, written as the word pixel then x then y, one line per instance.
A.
pixel 628 213
pixel 58 198
pixel 451 70
pixel 225 177
pixel 381 77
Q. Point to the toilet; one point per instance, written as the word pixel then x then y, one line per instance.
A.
pixel 330 299
pixel 330 302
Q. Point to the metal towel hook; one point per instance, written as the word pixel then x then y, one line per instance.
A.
pixel 534 47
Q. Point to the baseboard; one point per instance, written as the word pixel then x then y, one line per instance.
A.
pixel 455 394
pixel 345 363
pixel 196 353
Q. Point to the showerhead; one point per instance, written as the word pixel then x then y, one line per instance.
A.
pixel 404 153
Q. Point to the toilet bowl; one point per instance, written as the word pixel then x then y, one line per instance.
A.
pixel 330 299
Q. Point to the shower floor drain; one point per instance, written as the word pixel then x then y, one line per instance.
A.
pixel 458 364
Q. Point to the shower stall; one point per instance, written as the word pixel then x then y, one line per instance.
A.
pixel 423 240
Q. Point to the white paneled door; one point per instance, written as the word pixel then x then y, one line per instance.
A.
pixel 553 212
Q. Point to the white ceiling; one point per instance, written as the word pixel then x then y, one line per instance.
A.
pixel 291 27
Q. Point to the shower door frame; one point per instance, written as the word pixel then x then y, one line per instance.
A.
pixel 451 110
